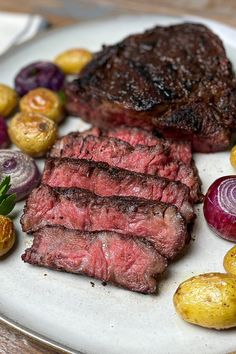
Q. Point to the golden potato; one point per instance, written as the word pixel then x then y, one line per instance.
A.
pixel 33 133
pixel 208 300
pixel 7 234
pixel 8 100
pixel 72 61
pixel 230 261
pixel 43 101
pixel 233 156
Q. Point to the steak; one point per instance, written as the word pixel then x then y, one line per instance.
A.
pixel 159 223
pixel 175 79
pixel 179 150
pixel 108 256
pixel 104 180
pixel 153 160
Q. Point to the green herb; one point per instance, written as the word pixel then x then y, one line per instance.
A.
pixel 62 96
pixel 7 201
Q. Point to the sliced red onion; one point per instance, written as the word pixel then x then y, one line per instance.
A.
pixel 220 207
pixel 4 139
pixel 22 169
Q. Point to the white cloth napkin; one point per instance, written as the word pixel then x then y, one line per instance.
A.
pixel 16 28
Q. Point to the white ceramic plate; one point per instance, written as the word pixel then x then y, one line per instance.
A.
pixel 64 309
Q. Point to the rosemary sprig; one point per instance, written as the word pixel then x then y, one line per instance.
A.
pixel 7 201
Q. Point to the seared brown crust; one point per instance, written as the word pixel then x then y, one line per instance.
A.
pixel 83 197
pixel 154 160
pixel 75 208
pixel 105 180
pixel 123 204
pixel 177 79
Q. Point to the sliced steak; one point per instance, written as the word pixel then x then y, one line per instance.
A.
pixel 179 150
pixel 108 256
pixel 150 160
pixel 175 79
pixel 110 150
pixel 105 180
pixel 159 223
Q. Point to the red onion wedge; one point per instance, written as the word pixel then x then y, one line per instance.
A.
pixel 22 169
pixel 4 139
pixel 220 207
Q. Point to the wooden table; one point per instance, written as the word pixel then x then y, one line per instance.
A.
pixel 65 12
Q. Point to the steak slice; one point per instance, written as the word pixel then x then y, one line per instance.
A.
pixel 108 256
pixel 105 180
pixel 159 223
pixel 150 160
pixel 175 79
pixel 179 150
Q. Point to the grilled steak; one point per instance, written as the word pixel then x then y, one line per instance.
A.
pixel 151 160
pixel 180 150
pixel 159 223
pixel 104 180
pixel 175 79
pixel 108 256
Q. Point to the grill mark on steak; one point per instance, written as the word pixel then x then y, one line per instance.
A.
pixel 159 223
pixel 150 160
pixel 180 150
pixel 108 256
pixel 176 79
pixel 104 180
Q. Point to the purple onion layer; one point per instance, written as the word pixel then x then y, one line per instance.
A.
pixel 22 169
pixel 220 207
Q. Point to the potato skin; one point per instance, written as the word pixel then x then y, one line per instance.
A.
pixel 208 300
pixel 33 133
pixel 230 261
pixel 43 101
pixel 72 61
pixel 233 157
pixel 7 234
pixel 8 100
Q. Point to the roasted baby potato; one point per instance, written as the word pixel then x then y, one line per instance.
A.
pixel 230 261
pixel 44 101
pixel 72 61
pixel 208 300
pixel 233 156
pixel 8 100
pixel 7 234
pixel 39 74
pixel 33 133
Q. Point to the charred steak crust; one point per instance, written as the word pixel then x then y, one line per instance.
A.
pixel 105 180
pixel 176 79
pixel 75 208
pixel 108 256
pixel 154 160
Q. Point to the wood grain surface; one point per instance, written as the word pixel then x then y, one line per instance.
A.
pixel 64 12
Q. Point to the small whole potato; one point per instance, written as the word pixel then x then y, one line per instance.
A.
pixel 208 300
pixel 44 101
pixel 33 133
pixel 233 156
pixel 8 100
pixel 230 261
pixel 7 234
pixel 72 61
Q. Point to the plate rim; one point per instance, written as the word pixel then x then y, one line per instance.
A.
pixel 40 338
